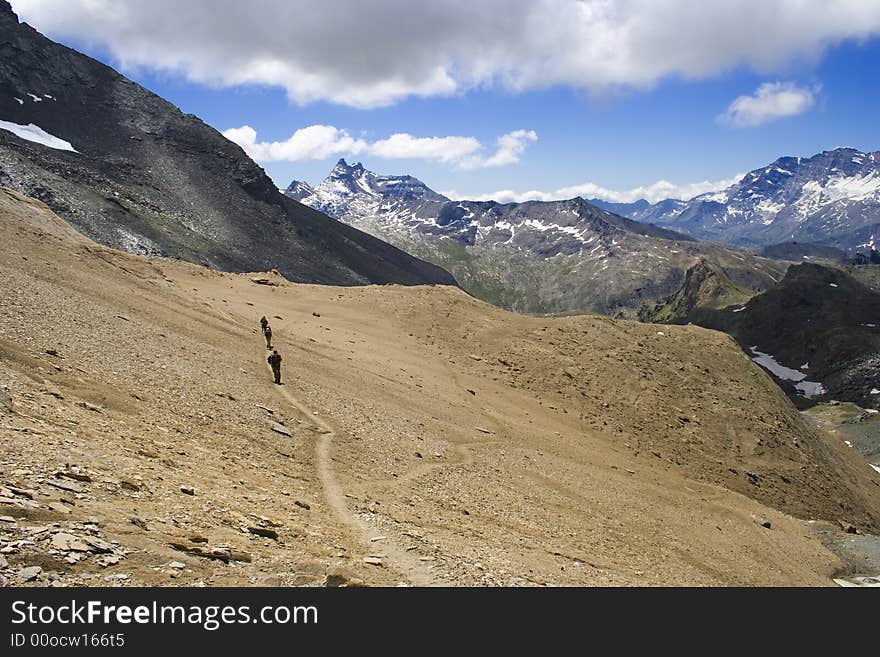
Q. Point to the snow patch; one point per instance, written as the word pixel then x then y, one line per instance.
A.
pixel 810 389
pixel 769 363
pixel 770 209
pixel 874 391
pixel 739 310
pixel 832 284
pixel 853 188
pixel 537 225
pixel 717 197
pixel 35 133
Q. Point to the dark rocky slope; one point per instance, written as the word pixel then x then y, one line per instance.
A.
pixel 819 322
pixel 147 178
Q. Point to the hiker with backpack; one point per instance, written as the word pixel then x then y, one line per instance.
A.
pixel 275 361
pixel 268 333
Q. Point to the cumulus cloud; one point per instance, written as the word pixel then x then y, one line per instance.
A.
pixel 658 191
pixel 771 101
pixel 317 142
pixel 509 148
pixel 442 149
pixel 369 54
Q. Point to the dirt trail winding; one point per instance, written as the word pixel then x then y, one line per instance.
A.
pixel 392 554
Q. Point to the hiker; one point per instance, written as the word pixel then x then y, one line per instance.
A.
pixel 263 324
pixel 268 333
pixel 275 362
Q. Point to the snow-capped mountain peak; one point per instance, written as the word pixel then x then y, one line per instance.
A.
pixel 350 189
pixel 831 198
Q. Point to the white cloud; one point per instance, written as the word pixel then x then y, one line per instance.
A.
pixel 658 191
pixel 442 149
pixel 771 101
pixel 509 148
pixel 369 54
pixel 317 142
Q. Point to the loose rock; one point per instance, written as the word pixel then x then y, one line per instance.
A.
pixel 280 428
pixel 139 523
pixel 262 531
pixel 28 573
pixel 65 485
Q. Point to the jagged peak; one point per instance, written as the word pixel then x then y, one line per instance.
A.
pixel 343 166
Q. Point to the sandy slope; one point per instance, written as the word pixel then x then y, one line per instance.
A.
pixel 444 439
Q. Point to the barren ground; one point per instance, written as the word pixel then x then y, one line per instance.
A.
pixel 433 439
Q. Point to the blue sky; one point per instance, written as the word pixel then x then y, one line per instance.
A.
pixel 614 126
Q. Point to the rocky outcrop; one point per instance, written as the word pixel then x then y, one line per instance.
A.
pixel 705 287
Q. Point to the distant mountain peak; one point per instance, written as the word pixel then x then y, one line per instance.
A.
pixel 830 198
pixel 353 186
pixel 342 166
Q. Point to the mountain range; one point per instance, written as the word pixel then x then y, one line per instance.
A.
pixel 538 257
pixel 832 199
pixel 130 170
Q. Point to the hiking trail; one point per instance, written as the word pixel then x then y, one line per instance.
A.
pixel 393 556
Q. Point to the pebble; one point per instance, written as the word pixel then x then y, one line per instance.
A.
pixel 280 428
pixel 29 572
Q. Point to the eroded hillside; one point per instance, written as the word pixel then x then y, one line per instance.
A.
pixel 420 436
